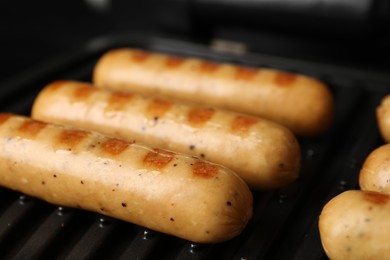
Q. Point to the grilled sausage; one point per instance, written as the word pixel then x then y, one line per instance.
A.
pixel 266 155
pixel 383 118
pixel 168 192
pixel 301 103
pixel 375 172
pixel 355 225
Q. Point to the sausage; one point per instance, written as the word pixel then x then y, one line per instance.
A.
pixel 303 104
pixel 383 118
pixel 265 154
pixel 162 190
pixel 375 172
pixel 355 225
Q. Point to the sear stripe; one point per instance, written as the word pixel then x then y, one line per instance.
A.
pixel 284 79
pixel 158 107
pixel 173 62
pixel 242 124
pixel 4 117
pixel 30 128
pixel 118 100
pixel 199 116
pixel 208 67
pixel 204 169
pixel 115 146
pixel 243 73
pixel 158 158
pixel 71 138
pixel 140 56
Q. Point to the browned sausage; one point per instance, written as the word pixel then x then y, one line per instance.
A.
pixel 265 154
pixel 301 103
pixel 168 192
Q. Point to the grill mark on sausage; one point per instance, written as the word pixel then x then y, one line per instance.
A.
pixel 199 116
pixel 4 117
pixel 83 92
pixel 158 158
pixel 140 56
pixel 118 100
pixel 208 67
pixel 376 198
pixel 158 107
pixel 71 137
pixel 284 78
pixel 56 85
pixel 173 62
pixel 30 128
pixel 241 124
pixel 115 146
pixel 243 73
pixel 205 170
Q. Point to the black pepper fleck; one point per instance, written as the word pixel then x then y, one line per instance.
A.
pixel 124 205
pixel 55 176
pixel 172 219
pixel 175 165
pixel 81 182
pixel 228 203
pixel 192 147
pixel 202 155
pixel 43 182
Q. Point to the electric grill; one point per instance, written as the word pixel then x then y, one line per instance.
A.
pixel 284 225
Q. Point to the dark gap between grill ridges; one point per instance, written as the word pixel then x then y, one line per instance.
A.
pixel 6 198
pixel 45 236
pixel 22 217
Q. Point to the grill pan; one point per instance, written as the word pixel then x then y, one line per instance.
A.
pixel 284 225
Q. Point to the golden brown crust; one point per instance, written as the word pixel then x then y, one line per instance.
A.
pixel 265 154
pixel 303 104
pixel 164 191
pixel 355 224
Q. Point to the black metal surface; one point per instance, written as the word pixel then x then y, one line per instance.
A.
pixel 284 225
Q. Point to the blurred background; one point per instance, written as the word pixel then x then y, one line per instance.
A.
pixel 346 32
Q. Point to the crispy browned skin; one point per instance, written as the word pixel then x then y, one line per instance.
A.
pixel 383 118
pixel 265 154
pixel 355 225
pixel 301 103
pixel 168 192
pixel 375 172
